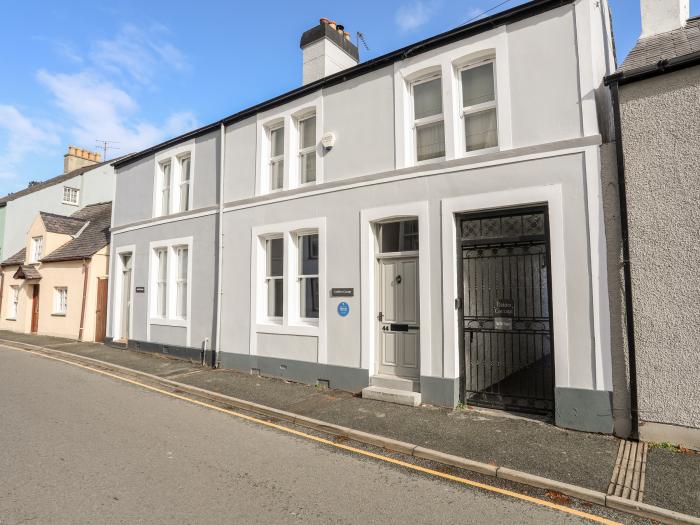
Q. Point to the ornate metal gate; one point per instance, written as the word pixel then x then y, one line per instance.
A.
pixel 507 347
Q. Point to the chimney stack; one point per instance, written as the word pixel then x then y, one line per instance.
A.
pixel 78 158
pixel 660 16
pixel 327 49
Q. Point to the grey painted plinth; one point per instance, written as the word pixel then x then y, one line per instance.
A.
pixel 582 409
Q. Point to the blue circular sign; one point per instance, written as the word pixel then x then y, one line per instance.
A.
pixel 343 309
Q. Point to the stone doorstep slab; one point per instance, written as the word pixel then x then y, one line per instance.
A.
pixel 632 507
pixel 392 395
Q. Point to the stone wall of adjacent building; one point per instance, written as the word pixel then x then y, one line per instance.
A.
pixel 661 138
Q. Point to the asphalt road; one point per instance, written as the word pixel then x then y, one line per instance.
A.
pixel 78 447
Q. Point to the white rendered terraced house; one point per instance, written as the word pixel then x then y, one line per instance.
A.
pixel 426 224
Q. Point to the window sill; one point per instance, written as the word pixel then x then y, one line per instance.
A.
pixel 57 315
pixel 310 330
pixel 477 152
pixel 10 318
pixel 429 161
pixel 160 321
pixel 76 204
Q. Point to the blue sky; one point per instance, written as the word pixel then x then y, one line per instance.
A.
pixel 139 72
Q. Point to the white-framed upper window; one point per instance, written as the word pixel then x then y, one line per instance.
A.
pixel 478 106
pixel 308 276
pixel 307 149
pixel 13 302
pixel 60 300
pixel 274 277
pixel 276 165
pixel 183 258
pixel 170 277
pixel 37 249
pixel 71 195
pixel 161 256
pixel 165 180
pixel 428 119
pixel 174 180
pixel 184 187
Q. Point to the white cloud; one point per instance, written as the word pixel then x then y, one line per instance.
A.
pixel 138 53
pixel 101 110
pixel 19 137
pixel 413 15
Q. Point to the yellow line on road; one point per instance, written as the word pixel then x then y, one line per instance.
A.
pixel 410 466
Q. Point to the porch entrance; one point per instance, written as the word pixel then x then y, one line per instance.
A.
pixel 507 352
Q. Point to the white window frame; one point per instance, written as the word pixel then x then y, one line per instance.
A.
pixel 432 119
pixel 37 253
pixel 60 300
pixel 174 157
pixel 277 158
pixel 469 110
pixel 182 182
pixel 287 115
pixel 71 191
pixel 269 279
pixel 291 322
pixel 301 151
pixel 295 310
pixel 170 246
pixel 13 302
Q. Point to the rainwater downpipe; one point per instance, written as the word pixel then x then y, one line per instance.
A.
pixel 216 348
pixel 626 270
pixel 82 307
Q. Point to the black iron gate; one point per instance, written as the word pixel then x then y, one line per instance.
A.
pixel 507 358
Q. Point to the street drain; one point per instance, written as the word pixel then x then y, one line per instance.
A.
pixel 630 470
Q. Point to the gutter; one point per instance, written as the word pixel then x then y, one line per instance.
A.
pixel 659 68
pixel 627 271
pixel 216 349
pixel 509 16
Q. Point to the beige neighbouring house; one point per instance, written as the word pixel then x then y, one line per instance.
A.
pixel 57 284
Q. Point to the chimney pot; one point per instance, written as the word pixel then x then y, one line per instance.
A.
pixel 324 21
pixel 326 49
pixel 332 24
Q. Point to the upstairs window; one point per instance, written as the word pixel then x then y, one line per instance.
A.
pixel 308 276
pixel 277 158
pixel 398 236
pixel 37 249
pixel 165 179
pixel 275 277
pixel 184 190
pixel 71 195
pixel 307 150
pixel 60 300
pixel 479 107
pixel 429 124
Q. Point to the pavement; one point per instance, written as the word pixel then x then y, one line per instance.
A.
pixel 80 448
pixel 525 444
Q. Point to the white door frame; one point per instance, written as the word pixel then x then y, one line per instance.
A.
pixel 369 280
pixel 119 288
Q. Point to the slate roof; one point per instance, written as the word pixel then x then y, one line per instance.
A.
pixel 27 271
pixel 665 46
pixel 17 258
pixel 93 238
pixel 61 224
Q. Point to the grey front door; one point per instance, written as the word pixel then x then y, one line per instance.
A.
pixel 126 296
pixel 399 323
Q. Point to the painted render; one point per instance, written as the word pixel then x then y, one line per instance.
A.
pixel 95 185
pixel 69 274
pixel 660 120
pixel 549 153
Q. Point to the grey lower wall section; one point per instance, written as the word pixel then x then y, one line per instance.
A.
pixel 195 355
pixel 582 409
pixel 340 377
pixel 441 391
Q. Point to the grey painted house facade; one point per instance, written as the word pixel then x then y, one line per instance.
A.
pixel 428 223
pixel 657 90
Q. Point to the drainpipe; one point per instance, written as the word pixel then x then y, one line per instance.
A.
pixel 82 308
pixel 626 270
pixel 216 349
pixel 2 285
